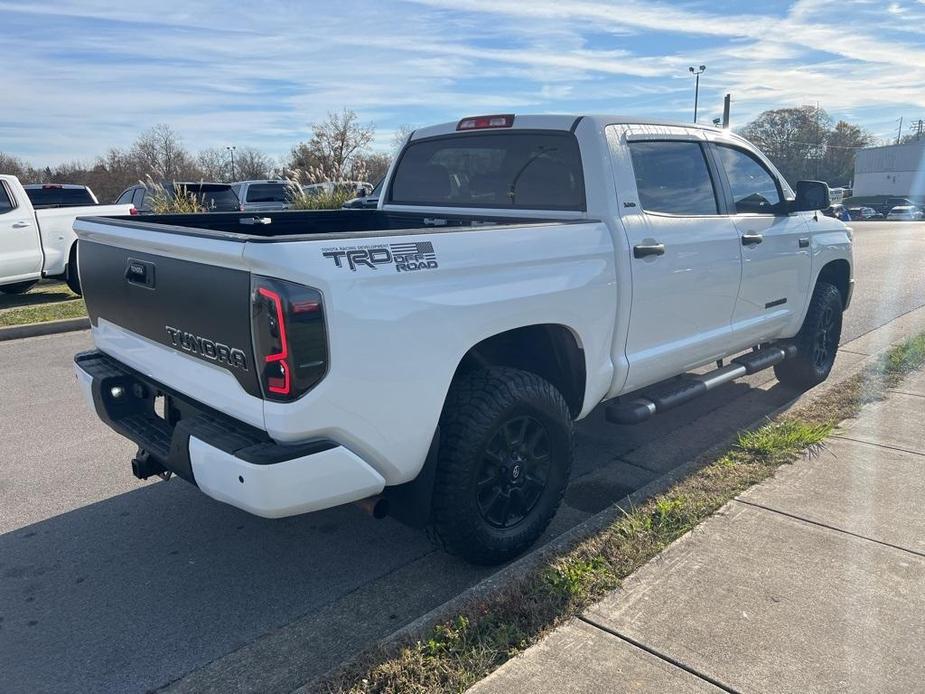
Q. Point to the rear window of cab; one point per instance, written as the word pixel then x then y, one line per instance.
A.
pixel 535 170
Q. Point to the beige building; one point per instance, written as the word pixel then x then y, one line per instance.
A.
pixel 897 170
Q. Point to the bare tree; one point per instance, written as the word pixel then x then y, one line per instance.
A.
pixel 159 151
pixel 375 165
pixel 214 164
pixel 16 167
pixel 400 136
pixel 335 143
pixel 251 164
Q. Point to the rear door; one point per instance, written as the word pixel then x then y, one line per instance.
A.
pixel 775 246
pixel 20 244
pixel 685 257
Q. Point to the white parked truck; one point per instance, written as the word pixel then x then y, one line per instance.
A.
pixel 432 354
pixel 38 243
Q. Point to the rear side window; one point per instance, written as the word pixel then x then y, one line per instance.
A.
pixel 673 178
pixel 754 189
pixel 125 198
pixel 59 197
pixel 6 200
pixel 269 192
pixel 538 170
pixel 138 198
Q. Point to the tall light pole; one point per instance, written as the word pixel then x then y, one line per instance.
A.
pixel 231 149
pixel 696 73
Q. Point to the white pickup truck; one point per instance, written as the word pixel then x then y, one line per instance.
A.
pixel 432 355
pixel 37 243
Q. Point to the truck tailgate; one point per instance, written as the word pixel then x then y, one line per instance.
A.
pixel 184 323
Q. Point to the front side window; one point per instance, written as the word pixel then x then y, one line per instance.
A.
pixel 673 178
pixel 754 189
pixel 6 200
pixel 538 170
pixel 125 198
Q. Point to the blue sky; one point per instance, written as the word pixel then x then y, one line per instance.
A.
pixel 82 76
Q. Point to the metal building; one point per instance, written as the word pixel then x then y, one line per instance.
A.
pixel 897 170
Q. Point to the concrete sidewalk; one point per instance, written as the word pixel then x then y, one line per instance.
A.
pixel 813 581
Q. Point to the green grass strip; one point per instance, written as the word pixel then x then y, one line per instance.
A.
pixel 458 653
pixel 46 301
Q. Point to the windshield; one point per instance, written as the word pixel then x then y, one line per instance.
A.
pixel 270 192
pixel 59 197
pixel 519 170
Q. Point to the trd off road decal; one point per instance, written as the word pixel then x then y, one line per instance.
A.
pixel 404 257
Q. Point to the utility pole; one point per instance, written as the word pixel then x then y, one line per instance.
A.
pixel 818 141
pixel 899 133
pixel 696 73
pixel 918 127
pixel 231 149
pixel 727 101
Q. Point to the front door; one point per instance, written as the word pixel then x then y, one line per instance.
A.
pixel 775 247
pixel 685 261
pixel 20 247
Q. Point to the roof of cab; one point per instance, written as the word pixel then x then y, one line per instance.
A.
pixel 557 122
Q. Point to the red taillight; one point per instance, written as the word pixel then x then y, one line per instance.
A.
pixel 52 186
pixel 278 383
pixel 485 122
pixel 134 212
pixel 290 337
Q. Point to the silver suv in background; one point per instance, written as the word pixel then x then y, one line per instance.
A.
pixel 265 196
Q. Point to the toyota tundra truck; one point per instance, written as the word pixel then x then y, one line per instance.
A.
pixel 429 357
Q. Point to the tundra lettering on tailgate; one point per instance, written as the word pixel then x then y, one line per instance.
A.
pixel 404 257
pixel 209 349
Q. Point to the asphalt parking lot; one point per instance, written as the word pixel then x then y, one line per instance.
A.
pixel 107 583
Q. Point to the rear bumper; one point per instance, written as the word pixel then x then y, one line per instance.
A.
pixel 229 460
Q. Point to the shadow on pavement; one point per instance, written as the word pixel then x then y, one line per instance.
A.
pixel 131 593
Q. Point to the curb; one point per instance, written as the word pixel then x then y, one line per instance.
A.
pixel 15 332
pixel 520 568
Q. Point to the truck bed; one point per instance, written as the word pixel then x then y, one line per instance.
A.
pixel 300 225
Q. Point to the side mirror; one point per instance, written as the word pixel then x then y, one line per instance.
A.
pixel 811 196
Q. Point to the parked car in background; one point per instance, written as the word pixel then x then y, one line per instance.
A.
pixel 838 212
pixel 864 213
pixel 214 197
pixel 365 202
pixel 887 205
pixel 905 213
pixel 46 195
pixel 266 195
pixel 39 243
pixel 519 271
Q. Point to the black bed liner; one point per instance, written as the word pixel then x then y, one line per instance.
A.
pixel 264 227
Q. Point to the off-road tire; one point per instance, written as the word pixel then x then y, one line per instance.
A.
pixel 483 408
pixel 72 278
pixel 18 288
pixel 817 341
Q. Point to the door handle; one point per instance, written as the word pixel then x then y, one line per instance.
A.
pixel 21 225
pixel 804 243
pixel 750 239
pixel 644 250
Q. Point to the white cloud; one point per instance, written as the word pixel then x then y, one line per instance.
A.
pixel 85 78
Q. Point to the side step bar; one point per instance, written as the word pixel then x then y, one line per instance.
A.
pixel 684 389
